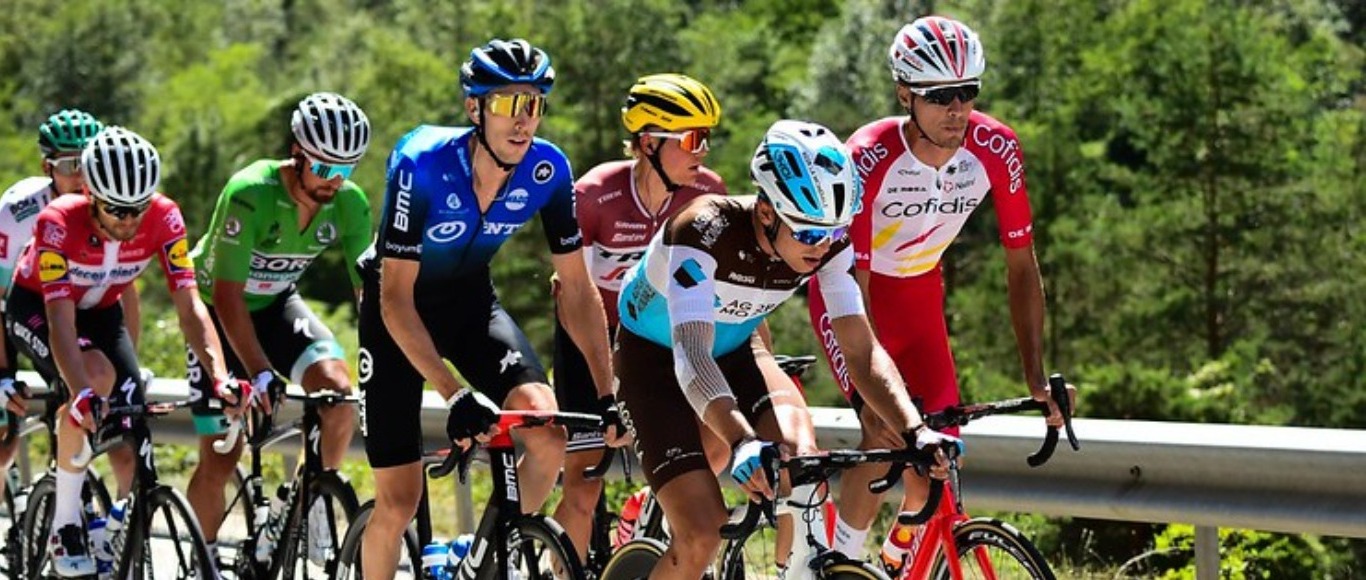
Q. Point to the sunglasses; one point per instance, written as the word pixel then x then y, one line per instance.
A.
pixel 512 105
pixel 65 166
pixel 330 170
pixel 818 236
pixel 945 95
pixel 691 140
pixel 123 211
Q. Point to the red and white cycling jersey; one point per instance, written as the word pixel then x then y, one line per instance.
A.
pixel 913 211
pixel 68 260
pixel 617 229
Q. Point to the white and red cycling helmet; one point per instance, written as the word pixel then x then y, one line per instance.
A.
pixel 936 50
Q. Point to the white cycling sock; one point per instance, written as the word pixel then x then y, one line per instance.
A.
pixel 848 539
pixel 804 495
pixel 67 510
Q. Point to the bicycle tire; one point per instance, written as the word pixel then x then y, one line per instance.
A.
pixel 851 570
pixel 734 563
pixel 36 521
pixel 340 496
pixel 553 559
pixel 166 501
pixel 349 564
pixel 238 514
pixel 1009 553
pixel 634 560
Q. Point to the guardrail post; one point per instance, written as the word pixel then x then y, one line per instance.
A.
pixel 1206 553
pixel 464 507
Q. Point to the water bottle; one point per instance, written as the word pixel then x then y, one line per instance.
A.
pixel 457 550
pixel 434 561
pixel 270 526
pixel 117 514
pixel 100 548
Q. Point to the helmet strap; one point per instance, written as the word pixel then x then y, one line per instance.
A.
pixel 479 134
pixel 655 162
pixel 770 230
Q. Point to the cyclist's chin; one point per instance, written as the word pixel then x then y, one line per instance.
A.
pixel 322 194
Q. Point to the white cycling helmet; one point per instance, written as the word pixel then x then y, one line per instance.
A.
pixel 808 175
pixel 936 50
pixel 330 128
pixel 121 168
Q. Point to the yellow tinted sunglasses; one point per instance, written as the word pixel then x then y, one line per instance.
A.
pixel 512 105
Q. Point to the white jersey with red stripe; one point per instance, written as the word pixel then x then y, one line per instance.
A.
pixel 913 211
pixel 19 207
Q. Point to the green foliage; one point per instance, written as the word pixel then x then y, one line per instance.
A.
pixel 1243 555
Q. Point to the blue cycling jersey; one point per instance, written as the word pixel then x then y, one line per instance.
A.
pixel 432 215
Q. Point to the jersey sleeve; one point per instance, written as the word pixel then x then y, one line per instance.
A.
pixel 175 248
pixel 871 160
pixel 49 239
pixel 356 233
pixel 235 218
pixel 405 208
pixel 557 215
pixel 586 208
pixel 838 287
pixel 691 286
pixel 1006 169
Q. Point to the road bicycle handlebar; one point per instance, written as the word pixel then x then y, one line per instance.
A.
pixel 960 415
pixel 507 421
pixel 116 422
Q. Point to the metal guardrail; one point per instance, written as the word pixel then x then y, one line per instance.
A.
pixel 1281 479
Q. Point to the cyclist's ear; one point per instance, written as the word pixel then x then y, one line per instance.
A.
pixel 472 105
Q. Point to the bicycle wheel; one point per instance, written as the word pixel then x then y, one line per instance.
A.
pixel 538 550
pixel 239 521
pixel 634 560
pixel 172 546
pixel 36 522
pixel 989 548
pixel 317 541
pixel 349 563
pixel 851 570
pixel 752 556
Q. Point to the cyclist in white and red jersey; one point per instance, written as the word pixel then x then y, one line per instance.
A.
pixel 60 139
pixel 64 309
pixel 620 205
pixel 924 174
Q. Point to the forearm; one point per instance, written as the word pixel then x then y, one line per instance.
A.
pixel 199 334
pixel 66 351
pixel 1026 296
pixel 408 331
pixel 586 323
pixel 241 334
pixel 704 384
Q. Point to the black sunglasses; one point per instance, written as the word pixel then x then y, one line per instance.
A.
pixel 945 95
pixel 123 211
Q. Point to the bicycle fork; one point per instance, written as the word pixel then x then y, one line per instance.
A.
pixel 493 529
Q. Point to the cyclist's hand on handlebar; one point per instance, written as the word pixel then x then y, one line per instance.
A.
pixel 12 396
pixel 473 415
pixel 231 391
pixel 747 467
pixel 85 410
pixel 267 388
pixel 924 437
pixel 613 429
pixel 1055 418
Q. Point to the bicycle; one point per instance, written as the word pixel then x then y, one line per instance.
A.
pixel 951 543
pixel 17 548
pixel 507 542
pixel 134 547
pixel 311 483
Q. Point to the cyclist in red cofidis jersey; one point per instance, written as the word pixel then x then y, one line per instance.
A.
pixel 924 174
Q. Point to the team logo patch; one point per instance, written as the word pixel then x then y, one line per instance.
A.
pixel 174 222
pixel 232 226
pixel 51 267
pixel 453 201
pixel 517 199
pixel 178 255
pixel 326 234
pixel 447 232
pixel 689 274
pixel 366 368
pixel 53 234
pixel 543 172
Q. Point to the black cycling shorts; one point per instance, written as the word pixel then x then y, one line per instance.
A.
pixel 468 327
pixel 99 329
pixel 292 337
pixel 575 391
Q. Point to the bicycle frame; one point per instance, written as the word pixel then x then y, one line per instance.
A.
pixel 936 536
pixel 505 499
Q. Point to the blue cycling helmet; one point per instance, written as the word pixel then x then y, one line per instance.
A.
pixel 506 62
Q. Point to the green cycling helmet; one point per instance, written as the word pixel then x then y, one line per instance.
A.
pixel 67 131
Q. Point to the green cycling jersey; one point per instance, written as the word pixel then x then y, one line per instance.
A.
pixel 255 238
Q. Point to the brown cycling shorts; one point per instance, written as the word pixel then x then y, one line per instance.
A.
pixel 667 433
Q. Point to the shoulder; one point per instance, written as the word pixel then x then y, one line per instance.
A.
pixel 351 197
pixel 709 181
pixel 549 165
pixel 25 199
pixel 68 205
pixel 167 214
pixel 997 146
pixel 881 131
pixel 253 181
pixel 701 222
pixel 420 143
pixel 876 144
pixel 609 175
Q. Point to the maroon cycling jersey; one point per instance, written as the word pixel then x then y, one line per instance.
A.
pixel 616 227
pixel 68 260
pixel 913 211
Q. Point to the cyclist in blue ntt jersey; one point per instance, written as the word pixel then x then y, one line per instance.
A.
pixel 454 196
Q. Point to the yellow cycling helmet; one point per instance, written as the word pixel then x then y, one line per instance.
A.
pixel 670 102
